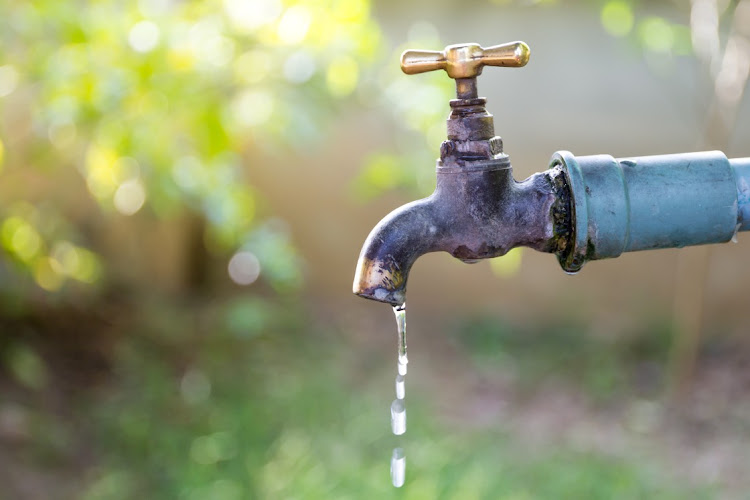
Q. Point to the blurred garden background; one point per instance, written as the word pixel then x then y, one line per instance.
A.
pixel 184 190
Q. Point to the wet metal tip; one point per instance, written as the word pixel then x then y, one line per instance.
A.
pixel 375 281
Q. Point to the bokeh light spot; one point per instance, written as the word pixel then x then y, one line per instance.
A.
pixel 154 7
pixel 207 450
pixel 144 36
pixel 352 11
pixel 381 173
pixel 204 450
pixel 244 268
pixel 225 489
pixel 21 238
pixel 507 265
pixel 75 262
pixel 181 58
pixel 195 387
pixel 8 79
pixel 26 242
pixel 299 67
pixel 46 276
pixel 249 15
pixel 294 25
pixel 101 177
pixel 187 173
pixel 252 66
pixel 252 107
pixel 26 366
pixel 209 45
pixel 617 18
pixel 656 34
pixel 342 76
pixel 130 197
pixel 65 258
pixel 89 268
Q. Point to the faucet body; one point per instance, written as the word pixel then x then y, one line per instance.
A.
pixel 581 208
pixel 476 212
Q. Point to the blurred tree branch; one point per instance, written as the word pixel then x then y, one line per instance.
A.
pixel 158 106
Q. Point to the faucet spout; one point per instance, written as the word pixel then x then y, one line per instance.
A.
pixel 391 249
pixel 477 211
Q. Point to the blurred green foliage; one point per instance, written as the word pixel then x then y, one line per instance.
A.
pixel 418 107
pixel 159 106
pixel 25 365
pixel 251 399
pixel 283 411
pixel 652 33
pixel 156 104
pixel 422 115
pixel 606 367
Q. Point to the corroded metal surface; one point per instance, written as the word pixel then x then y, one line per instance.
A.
pixel 475 213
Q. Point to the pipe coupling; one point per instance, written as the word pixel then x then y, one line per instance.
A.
pixel 666 201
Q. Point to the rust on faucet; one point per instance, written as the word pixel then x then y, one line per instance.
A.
pixel 478 210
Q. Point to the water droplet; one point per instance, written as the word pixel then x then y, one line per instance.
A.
pixel 402 367
pixel 400 387
pixel 398 417
pixel 398 467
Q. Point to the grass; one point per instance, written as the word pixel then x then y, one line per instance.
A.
pixel 263 407
pixel 605 368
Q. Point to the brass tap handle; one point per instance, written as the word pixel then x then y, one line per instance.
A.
pixel 465 60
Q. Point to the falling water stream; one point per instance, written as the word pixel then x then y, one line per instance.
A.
pixel 398 467
pixel 398 408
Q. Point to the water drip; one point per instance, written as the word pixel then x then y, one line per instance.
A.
pixel 400 387
pixel 398 417
pixel 398 467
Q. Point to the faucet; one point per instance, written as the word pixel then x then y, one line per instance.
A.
pixel 580 209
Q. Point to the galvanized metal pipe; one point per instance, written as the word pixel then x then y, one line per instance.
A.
pixel 652 202
pixel 741 167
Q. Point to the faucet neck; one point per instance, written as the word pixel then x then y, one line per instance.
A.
pixel 466 88
pixel 471 133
